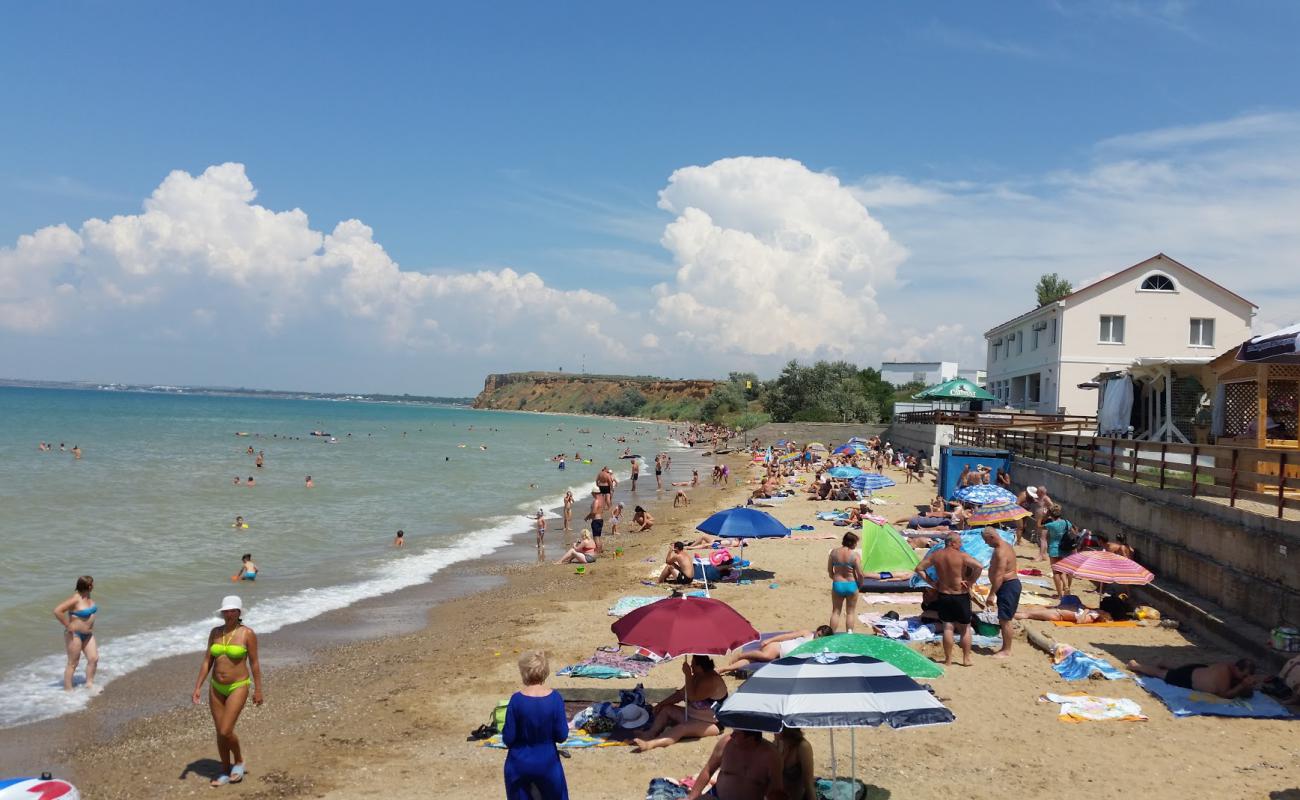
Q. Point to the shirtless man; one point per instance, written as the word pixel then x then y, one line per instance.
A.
pixel 748 767
pixel 1238 679
pixel 677 564
pixel 636 471
pixel 596 518
pixel 1004 584
pixel 541 529
pixel 957 572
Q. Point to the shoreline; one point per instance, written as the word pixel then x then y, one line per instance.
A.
pixel 124 715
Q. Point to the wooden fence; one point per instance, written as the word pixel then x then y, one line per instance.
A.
pixel 1254 479
pixel 1077 423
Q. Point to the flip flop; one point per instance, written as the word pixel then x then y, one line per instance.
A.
pixel 237 773
pixel 220 780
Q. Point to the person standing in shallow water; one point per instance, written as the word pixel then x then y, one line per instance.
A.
pixel 77 616
pixel 568 509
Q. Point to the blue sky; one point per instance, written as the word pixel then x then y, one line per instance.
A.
pixel 879 157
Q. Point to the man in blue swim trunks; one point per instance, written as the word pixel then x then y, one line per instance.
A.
pixel 1004 584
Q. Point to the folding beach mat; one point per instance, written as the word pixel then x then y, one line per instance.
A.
pixel 1190 703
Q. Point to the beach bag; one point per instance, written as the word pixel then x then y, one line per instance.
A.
pixel 841 789
pixel 1070 541
pixel 498 719
pixel 721 557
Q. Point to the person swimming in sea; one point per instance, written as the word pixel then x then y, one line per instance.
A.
pixel 77 616
pixel 237 483
pixel 247 571
pixel 239 523
pixel 400 539
pixel 250 481
pixel 310 483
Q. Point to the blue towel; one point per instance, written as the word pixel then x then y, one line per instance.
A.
pixel 1079 665
pixel 601 671
pixel 1189 702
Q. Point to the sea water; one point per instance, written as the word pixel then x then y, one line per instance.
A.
pixel 148 512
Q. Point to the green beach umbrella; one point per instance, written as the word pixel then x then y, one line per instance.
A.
pixel 910 662
pixel 885 550
pixel 956 389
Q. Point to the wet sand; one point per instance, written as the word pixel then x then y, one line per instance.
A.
pixel 388 717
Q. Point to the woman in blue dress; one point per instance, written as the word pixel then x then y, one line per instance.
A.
pixel 535 724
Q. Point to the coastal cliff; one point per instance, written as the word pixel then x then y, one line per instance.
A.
pixel 618 395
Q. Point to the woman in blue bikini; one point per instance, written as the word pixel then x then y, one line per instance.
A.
pixel 231 658
pixel 844 566
pixel 77 616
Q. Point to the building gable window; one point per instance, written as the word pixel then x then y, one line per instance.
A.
pixel 1202 333
pixel 1156 282
pixel 1053 331
pixel 1112 329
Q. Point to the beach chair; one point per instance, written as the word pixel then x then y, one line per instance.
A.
pixel 701 567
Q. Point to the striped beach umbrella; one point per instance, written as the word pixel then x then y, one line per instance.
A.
pixel 984 495
pixel 830 691
pixel 996 513
pixel 870 482
pixel 1104 567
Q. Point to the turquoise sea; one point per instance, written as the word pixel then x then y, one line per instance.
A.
pixel 148 512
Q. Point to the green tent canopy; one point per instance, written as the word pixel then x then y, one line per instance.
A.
pixel 885 550
pixel 956 389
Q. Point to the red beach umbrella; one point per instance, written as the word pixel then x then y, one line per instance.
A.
pixel 1104 567
pixel 677 626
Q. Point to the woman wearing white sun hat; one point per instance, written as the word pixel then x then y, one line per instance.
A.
pixel 231 659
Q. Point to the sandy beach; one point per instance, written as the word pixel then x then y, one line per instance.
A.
pixel 388 717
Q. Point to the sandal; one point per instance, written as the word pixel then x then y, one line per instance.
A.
pixel 237 773
pixel 220 780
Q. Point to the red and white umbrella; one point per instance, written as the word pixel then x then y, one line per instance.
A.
pixel 1104 567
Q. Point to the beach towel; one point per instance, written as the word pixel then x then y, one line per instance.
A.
pixel 1076 665
pixel 626 605
pixel 1031 599
pixel 892 628
pixel 599 671
pixel 577 740
pixel 1088 708
pixel 1191 703
pixel 882 599
pixel 1128 623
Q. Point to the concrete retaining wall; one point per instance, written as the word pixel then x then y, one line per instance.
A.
pixel 927 438
pixel 1244 562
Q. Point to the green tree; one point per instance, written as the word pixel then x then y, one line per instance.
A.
pixel 1051 288
pixel 827 391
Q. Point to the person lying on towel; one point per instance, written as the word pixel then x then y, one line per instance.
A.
pixel 1229 680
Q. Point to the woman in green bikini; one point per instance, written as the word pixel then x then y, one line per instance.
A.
pixel 231 658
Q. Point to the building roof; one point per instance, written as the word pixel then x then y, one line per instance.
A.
pixel 1143 263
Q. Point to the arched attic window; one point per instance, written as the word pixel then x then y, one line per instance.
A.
pixel 1158 282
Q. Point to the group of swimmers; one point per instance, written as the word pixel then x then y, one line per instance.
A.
pixel 46 447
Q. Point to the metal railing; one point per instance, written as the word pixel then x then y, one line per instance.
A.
pixel 1251 478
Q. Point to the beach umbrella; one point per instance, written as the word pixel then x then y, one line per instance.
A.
pixel 816 447
pixel 831 691
pixel 870 482
pixel 997 513
pixel 984 495
pixel 850 449
pixel 857 440
pixel 678 626
pixel 744 522
pixel 973 545
pixel 845 472
pixel 956 389
pixel 910 662
pixel 1104 567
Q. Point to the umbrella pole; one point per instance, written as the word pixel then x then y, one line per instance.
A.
pixel 853 758
pixel 833 759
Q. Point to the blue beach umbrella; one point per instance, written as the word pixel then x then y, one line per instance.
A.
pixel 850 449
pixel 984 494
pixel 870 482
pixel 845 472
pixel 743 522
pixel 973 545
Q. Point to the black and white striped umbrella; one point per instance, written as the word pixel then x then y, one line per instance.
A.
pixel 830 691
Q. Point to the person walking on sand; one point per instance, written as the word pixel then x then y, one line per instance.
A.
pixel 659 472
pixel 957 572
pixel 595 518
pixel 1004 585
pixel 844 567
pixel 77 616
pixel 231 660
pixel 568 509
pixel 541 529
pixel 535 723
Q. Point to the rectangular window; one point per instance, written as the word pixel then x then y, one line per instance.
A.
pixel 1020 342
pixel 1202 333
pixel 1034 344
pixel 1112 329
pixel 1053 331
pixel 995 352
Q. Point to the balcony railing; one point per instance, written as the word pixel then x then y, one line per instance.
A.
pixel 1260 481
pixel 1076 423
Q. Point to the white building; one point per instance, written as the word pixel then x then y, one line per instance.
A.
pixel 1155 309
pixel 926 372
